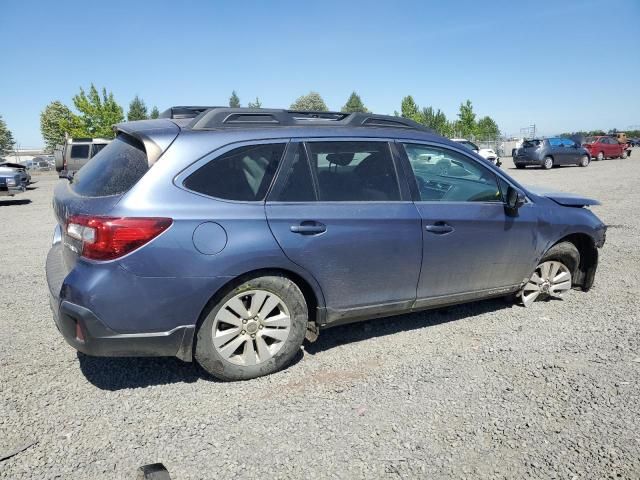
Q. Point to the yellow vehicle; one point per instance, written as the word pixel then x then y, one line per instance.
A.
pixel 621 137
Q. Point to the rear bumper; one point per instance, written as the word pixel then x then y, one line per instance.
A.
pixel 84 331
pixel 10 191
pixel 523 160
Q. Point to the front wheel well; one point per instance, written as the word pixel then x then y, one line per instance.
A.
pixel 585 274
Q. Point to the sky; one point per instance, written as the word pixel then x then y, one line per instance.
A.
pixel 561 65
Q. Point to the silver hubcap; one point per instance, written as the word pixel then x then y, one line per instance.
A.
pixel 585 161
pixel 551 279
pixel 548 163
pixel 251 327
pixel 600 156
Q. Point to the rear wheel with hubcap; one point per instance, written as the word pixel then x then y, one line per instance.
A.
pixel 600 156
pixel 254 330
pixel 624 154
pixel 547 163
pixel 553 276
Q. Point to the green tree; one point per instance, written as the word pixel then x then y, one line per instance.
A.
pixel 6 138
pixel 487 129
pixel 256 104
pixel 54 120
pixel 154 112
pixel 98 114
pixel 137 110
pixel 409 109
pixel 436 120
pixel 234 100
pixel 354 104
pixel 466 124
pixel 311 102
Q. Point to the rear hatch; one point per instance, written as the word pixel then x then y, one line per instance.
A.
pixel 98 186
pixel 529 146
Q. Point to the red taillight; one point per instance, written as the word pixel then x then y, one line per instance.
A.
pixel 107 238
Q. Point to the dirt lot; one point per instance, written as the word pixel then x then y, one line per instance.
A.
pixel 481 390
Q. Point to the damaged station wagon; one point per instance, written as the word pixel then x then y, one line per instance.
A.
pixel 230 237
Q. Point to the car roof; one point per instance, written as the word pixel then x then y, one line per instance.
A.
pixel 244 124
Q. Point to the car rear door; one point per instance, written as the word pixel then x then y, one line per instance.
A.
pixel 472 248
pixel 340 211
pixel 571 152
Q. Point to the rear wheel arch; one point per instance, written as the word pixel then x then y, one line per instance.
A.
pixel 313 297
pixel 585 273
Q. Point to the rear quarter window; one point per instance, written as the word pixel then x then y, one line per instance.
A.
pixel 79 151
pixel 242 174
pixel 114 170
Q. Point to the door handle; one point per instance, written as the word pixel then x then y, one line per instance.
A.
pixel 308 228
pixel 439 228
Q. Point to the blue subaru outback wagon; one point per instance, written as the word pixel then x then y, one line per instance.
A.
pixel 230 237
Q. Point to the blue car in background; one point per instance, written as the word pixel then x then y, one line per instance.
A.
pixel 229 237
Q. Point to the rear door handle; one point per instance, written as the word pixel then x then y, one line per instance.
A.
pixel 439 228
pixel 308 228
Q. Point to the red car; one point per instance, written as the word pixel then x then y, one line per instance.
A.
pixel 605 147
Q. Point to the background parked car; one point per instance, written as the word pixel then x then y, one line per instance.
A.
pixel 76 152
pixel 25 176
pixel 486 153
pixel 605 147
pixel 11 181
pixel 550 152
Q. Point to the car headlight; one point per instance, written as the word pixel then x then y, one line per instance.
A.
pixel 11 182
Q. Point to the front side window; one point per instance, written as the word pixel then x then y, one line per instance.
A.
pixel 447 176
pixel 354 171
pixel 242 174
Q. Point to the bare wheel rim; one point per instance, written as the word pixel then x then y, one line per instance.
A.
pixel 550 279
pixel 251 327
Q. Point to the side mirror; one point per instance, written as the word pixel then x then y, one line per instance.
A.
pixel 515 199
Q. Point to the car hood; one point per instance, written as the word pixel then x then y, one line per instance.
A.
pixel 562 198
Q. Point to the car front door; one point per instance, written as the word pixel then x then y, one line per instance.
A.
pixel 609 147
pixel 472 247
pixel 340 211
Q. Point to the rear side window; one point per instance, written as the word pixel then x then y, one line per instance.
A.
pixel 354 171
pixel 114 170
pixel 298 184
pixel 79 151
pixel 242 174
pixel 96 148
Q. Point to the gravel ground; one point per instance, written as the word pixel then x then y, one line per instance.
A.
pixel 480 390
